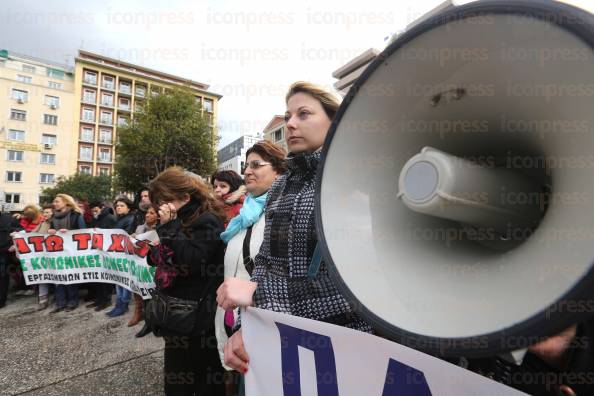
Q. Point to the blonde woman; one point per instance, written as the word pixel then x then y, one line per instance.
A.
pixel 67 216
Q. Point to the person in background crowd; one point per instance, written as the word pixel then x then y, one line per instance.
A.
pixel 104 218
pixel 83 204
pixel 67 216
pixel 265 161
pixel 150 224
pixel 47 213
pixel 8 225
pixel 125 221
pixel 189 261
pixel 228 187
pixel 290 230
pixel 143 202
pixel 31 220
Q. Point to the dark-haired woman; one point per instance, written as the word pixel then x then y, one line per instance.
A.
pixel 189 264
pixel 125 221
pixel 229 189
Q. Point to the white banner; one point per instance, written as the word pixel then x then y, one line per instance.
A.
pixel 292 356
pixel 89 255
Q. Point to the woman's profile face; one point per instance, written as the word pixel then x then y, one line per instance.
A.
pixel 221 188
pixel 307 123
pixel 58 204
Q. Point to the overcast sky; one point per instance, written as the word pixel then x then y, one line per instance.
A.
pixel 247 51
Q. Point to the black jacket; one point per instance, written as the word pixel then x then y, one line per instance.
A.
pixel 198 254
pixel 126 223
pixel 106 219
pixel 8 225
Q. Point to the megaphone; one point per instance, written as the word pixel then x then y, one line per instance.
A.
pixel 455 199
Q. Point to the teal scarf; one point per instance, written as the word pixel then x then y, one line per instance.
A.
pixel 248 215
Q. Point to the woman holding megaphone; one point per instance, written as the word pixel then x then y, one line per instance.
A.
pixel 282 282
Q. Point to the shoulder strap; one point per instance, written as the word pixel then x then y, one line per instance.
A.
pixel 247 259
pixel 316 261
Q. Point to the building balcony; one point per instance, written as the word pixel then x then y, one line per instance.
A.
pixel 106 141
pixel 90 101
pixel 86 139
pixel 109 87
pixel 90 81
pixel 88 120
pixel 85 159
pixel 140 94
pixel 125 91
pixel 107 104
pixel 105 121
pixel 104 160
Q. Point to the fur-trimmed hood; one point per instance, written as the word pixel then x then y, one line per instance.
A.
pixel 237 196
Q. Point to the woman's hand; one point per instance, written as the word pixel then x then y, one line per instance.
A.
pixel 235 355
pixel 235 292
pixel 167 212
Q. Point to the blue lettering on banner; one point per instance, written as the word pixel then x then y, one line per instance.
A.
pixel 321 345
pixel 403 380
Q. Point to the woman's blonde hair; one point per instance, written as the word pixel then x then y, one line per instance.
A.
pixel 327 99
pixel 69 201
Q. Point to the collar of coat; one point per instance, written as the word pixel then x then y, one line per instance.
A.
pixel 304 162
pixel 235 196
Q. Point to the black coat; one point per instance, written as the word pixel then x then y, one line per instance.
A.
pixel 106 219
pixel 8 225
pixel 126 223
pixel 198 255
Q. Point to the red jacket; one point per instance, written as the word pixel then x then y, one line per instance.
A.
pixel 28 225
pixel 233 203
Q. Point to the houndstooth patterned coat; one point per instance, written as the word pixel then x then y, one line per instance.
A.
pixel 290 238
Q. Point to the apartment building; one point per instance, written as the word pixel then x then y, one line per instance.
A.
pixel 108 92
pixel 232 156
pixel 275 131
pixel 36 126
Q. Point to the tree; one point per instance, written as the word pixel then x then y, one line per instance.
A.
pixel 81 186
pixel 168 130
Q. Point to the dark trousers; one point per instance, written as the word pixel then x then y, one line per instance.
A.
pixel 192 366
pixel 4 278
pixel 66 295
pixel 103 293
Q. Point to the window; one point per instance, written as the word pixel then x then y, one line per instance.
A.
pixel 89 96
pixel 55 85
pixel 125 87
pixel 54 73
pixel 47 158
pixel 124 104
pixel 46 178
pixel 12 198
pixel 105 136
pixel 28 68
pixel 108 82
pixel 199 101
pixel 24 79
pixel 20 115
pixel 88 114
pixel 106 99
pixel 208 105
pixel 106 117
pixel 20 95
pixel 86 134
pixel 90 77
pixel 140 91
pixel 104 155
pixel 50 119
pixel 278 135
pixel 17 135
pixel 104 171
pixel 49 139
pixel 52 101
pixel 14 177
pixel 122 121
pixel 84 169
pixel 85 153
pixel 14 155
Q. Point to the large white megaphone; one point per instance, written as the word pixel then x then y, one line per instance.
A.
pixel 455 204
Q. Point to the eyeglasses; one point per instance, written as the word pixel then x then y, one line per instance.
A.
pixel 255 164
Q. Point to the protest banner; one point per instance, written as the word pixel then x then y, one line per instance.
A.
pixel 88 255
pixel 292 356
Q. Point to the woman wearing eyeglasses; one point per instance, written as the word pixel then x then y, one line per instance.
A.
pixel 280 280
pixel 265 161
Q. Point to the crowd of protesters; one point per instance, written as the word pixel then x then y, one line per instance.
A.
pixel 221 246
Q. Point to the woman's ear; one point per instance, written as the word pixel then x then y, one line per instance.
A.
pixel 186 198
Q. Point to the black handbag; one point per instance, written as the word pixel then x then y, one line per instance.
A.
pixel 171 315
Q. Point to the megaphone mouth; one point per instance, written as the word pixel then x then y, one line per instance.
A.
pixel 478 261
